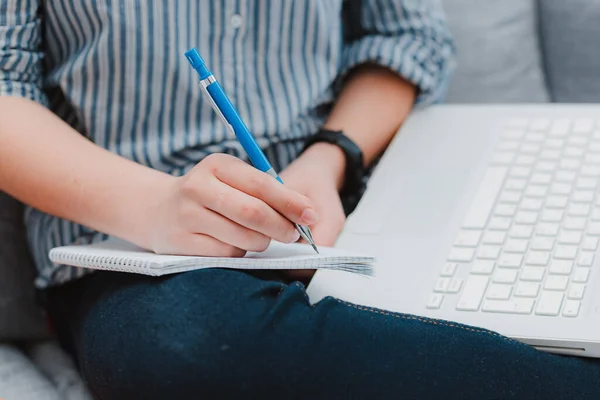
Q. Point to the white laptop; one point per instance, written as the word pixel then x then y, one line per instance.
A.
pixel 487 216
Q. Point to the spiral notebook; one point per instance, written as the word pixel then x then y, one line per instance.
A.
pixel 118 255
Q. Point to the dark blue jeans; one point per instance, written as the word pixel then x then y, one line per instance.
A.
pixel 224 334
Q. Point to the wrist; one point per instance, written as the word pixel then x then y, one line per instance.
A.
pixel 332 160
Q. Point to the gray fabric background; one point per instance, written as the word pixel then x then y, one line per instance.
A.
pixel 570 32
pixel 498 50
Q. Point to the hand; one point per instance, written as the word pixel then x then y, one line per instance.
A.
pixel 225 207
pixel 318 174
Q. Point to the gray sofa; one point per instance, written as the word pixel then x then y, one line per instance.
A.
pixel 509 51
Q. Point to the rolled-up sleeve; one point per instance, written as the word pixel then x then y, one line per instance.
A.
pixel 410 37
pixel 20 50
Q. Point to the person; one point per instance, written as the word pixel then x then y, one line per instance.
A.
pixel 103 132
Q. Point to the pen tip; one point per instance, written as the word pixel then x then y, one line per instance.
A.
pixel 315 248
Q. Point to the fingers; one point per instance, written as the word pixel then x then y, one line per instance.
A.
pixel 204 245
pixel 245 178
pixel 229 232
pixel 249 212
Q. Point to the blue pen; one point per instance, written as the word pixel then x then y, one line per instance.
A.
pixel 232 120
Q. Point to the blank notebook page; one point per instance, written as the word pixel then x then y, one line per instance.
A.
pixel 118 255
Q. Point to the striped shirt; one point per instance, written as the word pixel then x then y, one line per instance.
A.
pixel 116 72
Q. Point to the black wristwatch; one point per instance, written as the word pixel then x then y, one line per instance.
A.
pixel 354 175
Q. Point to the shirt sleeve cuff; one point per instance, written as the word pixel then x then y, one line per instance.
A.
pixel 23 89
pixel 426 64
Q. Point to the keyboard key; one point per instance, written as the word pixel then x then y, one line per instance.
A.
pixel 565 252
pixel 482 267
pixel 525 160
pixel 534 137
pixel 559 202
pixel 576 291
pixel 552 215
pixel 520 172
pixel 515 184
pixel 515 306
pixel 583 196
pixel 583 126
pixel 467 238
pixel 508 260
pixel 555 143
pixel 505 210
pixel 516 246
pixel 505 276
pixel 542 243
pixel 575 223
pixel 534 274
pixel 494 237
pixel 502 158
pixel 483 202
pixel 595 215
pixel 546 166
pixel 592 158
pixel 579 141
pixel 593 228
pixel 591 171
pixel 565 176
pixel 531 204
pixel 461 254
pixel 449 269
pixel 571 308
pixel 441 285
pixel 586 259
pixel 560 267
pixel 536 191
pixel 526 217
pixel 549 303
pixel 530 148
pixel 538 258
pixel 550 155
pixel 594 147
pixel 578 210
pixel 510 197
pixel 472 293
pixel 521 231
pixel 454 285
pixel 569 237
pixel 513 134
pixel 499 292
pixel 573 152
pixel 581 275
pixel 540 124
pixel 435 301
pixel 500 223
pixel 590 243
pixel 586 183
pixel 527 289
pixel 559 128
pixel 540 178
pixel 547 229
pixel 556 282
pixel 561 188
pixel 488 252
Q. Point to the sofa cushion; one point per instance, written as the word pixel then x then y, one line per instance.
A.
pixel 570 31
pixel 498 51
pixel 20 379
pixel 20 318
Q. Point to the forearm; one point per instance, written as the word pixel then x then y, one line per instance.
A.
pixel 50 166
pixel 370 108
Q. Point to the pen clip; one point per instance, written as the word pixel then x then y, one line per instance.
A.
pixel 217 109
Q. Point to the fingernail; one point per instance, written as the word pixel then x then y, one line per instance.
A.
pixel 309 216
pixel 294 237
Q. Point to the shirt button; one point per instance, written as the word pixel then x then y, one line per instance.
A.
pixel 236 21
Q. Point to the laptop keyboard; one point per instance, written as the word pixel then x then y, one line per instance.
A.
pixel 529 239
